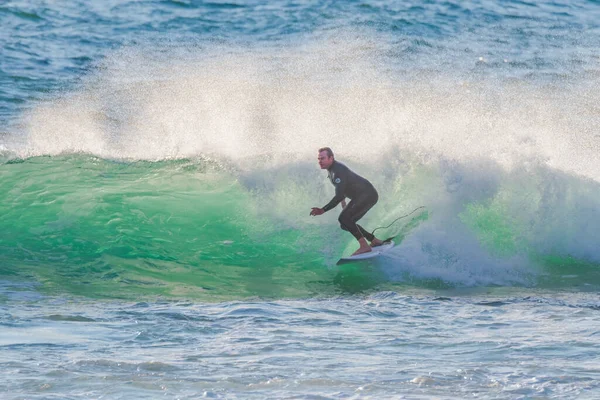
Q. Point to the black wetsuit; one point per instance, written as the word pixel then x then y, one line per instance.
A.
pixel 362 197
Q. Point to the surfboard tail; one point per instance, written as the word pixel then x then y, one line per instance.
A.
pixel 386 241
pixel 376 251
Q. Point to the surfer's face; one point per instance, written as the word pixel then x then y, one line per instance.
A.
pixel 324 160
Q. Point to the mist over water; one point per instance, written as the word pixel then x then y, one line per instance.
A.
pixel 179 102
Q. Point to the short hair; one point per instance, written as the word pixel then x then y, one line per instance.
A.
pixel 328 150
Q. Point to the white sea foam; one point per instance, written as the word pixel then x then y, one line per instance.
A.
pixel 143 104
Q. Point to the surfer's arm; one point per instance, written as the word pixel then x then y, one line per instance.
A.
pixel 339 181
pixel 334 202
pixel 316 211
pixel 340 193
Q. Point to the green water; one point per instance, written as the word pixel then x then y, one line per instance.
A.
pixel 210 230
pixel 106 228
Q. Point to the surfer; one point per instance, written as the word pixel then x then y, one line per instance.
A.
pixel 362 197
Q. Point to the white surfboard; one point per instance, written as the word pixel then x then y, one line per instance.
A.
pixel 375 252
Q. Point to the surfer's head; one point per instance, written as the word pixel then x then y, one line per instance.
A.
pixel 325 157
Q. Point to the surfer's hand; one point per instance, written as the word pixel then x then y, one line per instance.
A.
pixel 317 211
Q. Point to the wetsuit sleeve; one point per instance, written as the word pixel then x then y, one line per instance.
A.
pixel 339 196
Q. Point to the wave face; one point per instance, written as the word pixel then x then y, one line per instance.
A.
pixel 191 172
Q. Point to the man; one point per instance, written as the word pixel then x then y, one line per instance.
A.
pixel 362 197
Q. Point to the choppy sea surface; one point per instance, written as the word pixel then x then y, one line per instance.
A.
pixel 158 165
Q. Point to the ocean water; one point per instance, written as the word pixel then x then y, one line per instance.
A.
pixel 158 165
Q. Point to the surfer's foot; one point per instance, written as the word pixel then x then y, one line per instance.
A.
pixel 361 250
pixel 376 242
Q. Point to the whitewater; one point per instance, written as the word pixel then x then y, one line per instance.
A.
pixel 158 165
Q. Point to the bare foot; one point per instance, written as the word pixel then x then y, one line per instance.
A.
pixel 362 250
pixel 376 242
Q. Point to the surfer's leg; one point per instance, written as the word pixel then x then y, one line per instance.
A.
pixel 365 233
pixel 363 247
pixel 369 236
pixel 354 211
pixel 348 222
pixel 376 242
pixel 359 233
